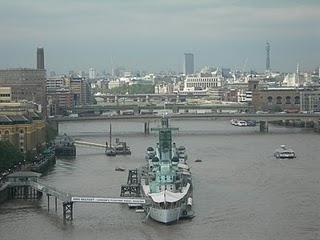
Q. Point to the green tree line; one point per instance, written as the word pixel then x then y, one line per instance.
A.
pixel 132 89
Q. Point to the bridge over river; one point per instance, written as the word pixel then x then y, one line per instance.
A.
pixel 263 118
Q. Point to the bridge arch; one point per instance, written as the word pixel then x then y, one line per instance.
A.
pixel 279 100
pixel 288 100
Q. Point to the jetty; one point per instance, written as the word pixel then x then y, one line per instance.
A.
pixel 26 185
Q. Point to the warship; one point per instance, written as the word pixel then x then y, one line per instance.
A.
pixel 166 181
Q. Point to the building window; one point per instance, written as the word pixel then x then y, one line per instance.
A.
pixel 269 99
pixel 288 100
pixel 297 100
pixel 279 100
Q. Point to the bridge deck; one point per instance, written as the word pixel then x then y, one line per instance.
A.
pixel 227 116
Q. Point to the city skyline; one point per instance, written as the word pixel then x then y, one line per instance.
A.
pixel 154 36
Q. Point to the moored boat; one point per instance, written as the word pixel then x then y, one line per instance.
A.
pixel 110 151
pixel 166 180
pixel 64 146
pixel 284 152
pixel 120 148
pixel 243 123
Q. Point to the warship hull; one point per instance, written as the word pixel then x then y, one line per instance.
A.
pixel 165 215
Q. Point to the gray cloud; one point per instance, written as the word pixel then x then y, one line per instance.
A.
pixel 154 34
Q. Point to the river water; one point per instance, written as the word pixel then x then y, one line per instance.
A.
pixel 240 190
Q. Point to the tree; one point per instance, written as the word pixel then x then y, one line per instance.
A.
pixel 9 156
pixel 133 89
pixel 276 108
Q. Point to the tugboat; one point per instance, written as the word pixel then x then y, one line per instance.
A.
pixel 110 151
pixel 166 180
pixel 120 148
pixel 284 152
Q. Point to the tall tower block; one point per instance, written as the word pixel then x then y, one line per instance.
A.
pixel 268 56
pixel 40 58
pixel 188 63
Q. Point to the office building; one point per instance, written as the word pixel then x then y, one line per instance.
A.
pixel 40 58
pixel 92 74
pixel 268 57
pixel 188 63
pixel 26 84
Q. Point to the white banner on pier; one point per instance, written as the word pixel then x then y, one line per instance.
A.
pixel 108 200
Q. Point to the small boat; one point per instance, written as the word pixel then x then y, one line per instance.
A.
pixel 251 123
pixel 120 148
pixel 119 169
pixel 234 122
pixel 198 160
pixel 242 123
pixel 284 152
pixel 110 151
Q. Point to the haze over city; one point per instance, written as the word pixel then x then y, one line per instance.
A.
pixel 153 35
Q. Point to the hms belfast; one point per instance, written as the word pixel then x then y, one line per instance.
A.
pixel 165 180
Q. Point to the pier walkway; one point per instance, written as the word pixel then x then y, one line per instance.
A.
pixel 25 185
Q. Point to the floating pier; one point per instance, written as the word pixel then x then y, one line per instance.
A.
pixel 25 185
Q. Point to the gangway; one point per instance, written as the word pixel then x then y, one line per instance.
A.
pixel 25 185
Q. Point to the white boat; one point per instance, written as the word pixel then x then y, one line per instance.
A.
pixel 234 122
pixel 284 152
pixel 242 123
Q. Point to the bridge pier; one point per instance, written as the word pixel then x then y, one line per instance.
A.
pixel 67 211
pixel 55 204
pixel 23 192
pixel 264 126
pixel 316 125
pixel 147 128
pixel 48 198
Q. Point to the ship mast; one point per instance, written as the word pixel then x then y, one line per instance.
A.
pixel 110 135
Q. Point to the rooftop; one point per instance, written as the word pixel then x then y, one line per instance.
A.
pixel 24 174
pixel 13 119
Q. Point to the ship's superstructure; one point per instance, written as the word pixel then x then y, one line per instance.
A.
pixel 166 179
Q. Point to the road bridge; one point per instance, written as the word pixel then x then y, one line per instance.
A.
pixel 210 116
pixel 174 107
pixel 262 118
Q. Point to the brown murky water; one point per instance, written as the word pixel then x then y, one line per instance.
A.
pixel 240 190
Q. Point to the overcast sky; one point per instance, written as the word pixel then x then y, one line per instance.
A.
pixel 153 35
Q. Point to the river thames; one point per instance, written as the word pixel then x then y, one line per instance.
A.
pixel 240 190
